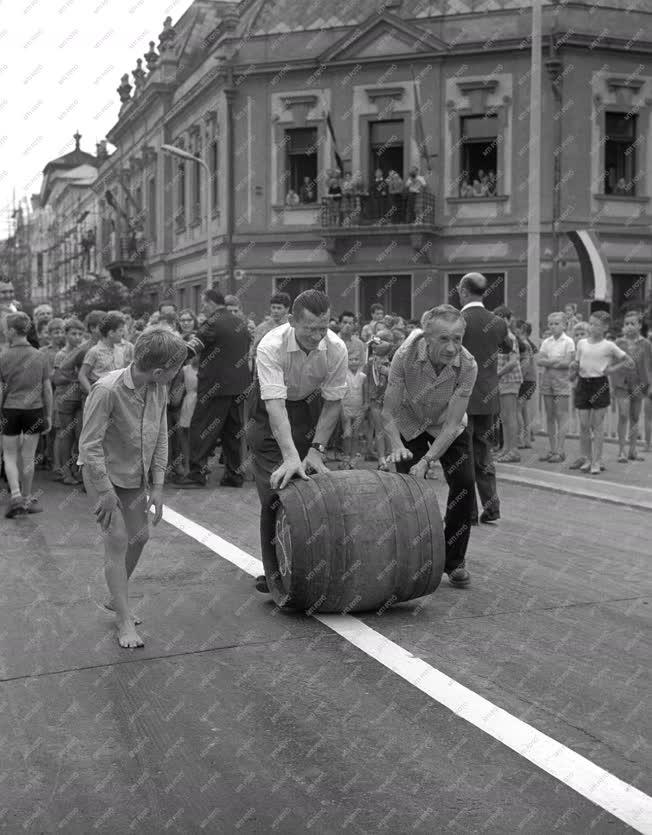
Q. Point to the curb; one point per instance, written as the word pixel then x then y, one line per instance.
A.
pixel 602 491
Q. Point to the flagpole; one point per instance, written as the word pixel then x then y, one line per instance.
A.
pixel 534 190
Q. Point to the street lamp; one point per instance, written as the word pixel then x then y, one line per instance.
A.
pixel 185 155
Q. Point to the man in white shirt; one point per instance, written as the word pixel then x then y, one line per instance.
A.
pixel 294 407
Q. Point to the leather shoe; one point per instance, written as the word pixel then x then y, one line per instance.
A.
pixel 459 577
pixel 230 482
pixel 261 584
pixel 489 517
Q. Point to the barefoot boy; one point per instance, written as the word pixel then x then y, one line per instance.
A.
pixel 123 439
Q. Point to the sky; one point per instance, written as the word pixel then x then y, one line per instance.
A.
pixel 60 64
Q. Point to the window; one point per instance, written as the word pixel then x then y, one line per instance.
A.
pixel 196 297
pixel 294 286
pixel 479 155
pixel 301 162
pixel 182 298
pixel 39 269
pixel 195 199
pixel 628 292
pixel 494 296
pixel 214 166
pixel 151 210
pixel 620 154
pixel 181 195
pixel 153 301
pixel 385 147
pixel 394 292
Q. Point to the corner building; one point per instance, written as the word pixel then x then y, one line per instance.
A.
pixel 442 84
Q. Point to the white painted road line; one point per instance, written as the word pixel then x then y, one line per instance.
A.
pixel 621 800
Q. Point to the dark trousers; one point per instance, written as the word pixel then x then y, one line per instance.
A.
pixel 457 464
pixel 266 457
pixel 216 418
pixel 175 464
pixel 482 429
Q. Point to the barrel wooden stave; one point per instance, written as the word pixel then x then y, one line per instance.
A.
pixel 359 541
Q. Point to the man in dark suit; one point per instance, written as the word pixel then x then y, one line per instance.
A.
pixel 485 337
pixel 223 378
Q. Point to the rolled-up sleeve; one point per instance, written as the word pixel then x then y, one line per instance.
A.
pixel 91 442
pixel 160 456
pixel 468 376
pixel 270 373
pixel 334 385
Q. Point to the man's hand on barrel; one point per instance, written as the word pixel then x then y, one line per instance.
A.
pixel 398 454
pixel 290 468
pixel 314 462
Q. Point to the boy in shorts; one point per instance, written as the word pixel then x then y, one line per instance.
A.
pixel 632 386
pixel 67 401
pixel 556 354
pixel 595 359
pixel 25 412
pixel 353 411
pixel 123 439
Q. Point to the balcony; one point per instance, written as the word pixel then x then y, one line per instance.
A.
pixel 412 214
pixel 126 258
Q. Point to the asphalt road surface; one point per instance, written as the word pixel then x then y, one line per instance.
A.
pixel 236 717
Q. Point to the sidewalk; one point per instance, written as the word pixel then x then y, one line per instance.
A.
pixel 624 484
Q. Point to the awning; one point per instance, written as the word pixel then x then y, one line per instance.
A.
pixel 596 275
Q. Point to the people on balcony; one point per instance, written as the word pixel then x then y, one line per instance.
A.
pixel 482 185
pixel 292 198
pixel 308 191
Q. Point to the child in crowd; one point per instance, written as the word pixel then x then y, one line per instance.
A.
pixel 377 373
pixel 123 440
pixel 570 310
pixel 556 354
pixel 632 386
pixel 510 378
pixel 595 358
pixel 527 350
pixel 110 353
pixel 187 409
pixel 46 457
pixel 67 400
pixel 25 412
pixel 580 331
pixel 72 363
pixel 353 411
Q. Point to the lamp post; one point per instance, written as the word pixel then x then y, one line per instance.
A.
pixel 185 155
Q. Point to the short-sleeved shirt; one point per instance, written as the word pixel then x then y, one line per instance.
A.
pixel 560 349
pixel 639 377
pixel 595 357
pixel 23 370
pixel 286 372
pixel 103 358
pixel 356 347
pixel 424 394
pixel 67 396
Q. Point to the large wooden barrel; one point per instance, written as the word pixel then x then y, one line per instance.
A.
pixel 356 541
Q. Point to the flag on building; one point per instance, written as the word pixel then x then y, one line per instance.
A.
pixel 596 275
pixel 338 158
pixel 419 130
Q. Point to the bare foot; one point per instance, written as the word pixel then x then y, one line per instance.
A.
pixel 128 638
pixel 111 608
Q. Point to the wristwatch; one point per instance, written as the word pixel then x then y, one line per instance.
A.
pixel 321 449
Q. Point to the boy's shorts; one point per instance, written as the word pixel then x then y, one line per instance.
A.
pixel 21 421
pixel 555 382
pixel 633 391
pixel 592 393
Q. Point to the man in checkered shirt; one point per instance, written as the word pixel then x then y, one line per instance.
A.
pixel 430 381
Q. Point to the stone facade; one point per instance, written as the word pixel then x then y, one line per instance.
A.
pixel 239 88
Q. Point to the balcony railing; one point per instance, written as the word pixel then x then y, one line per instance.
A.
pixel 128 249
pixel 377 211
